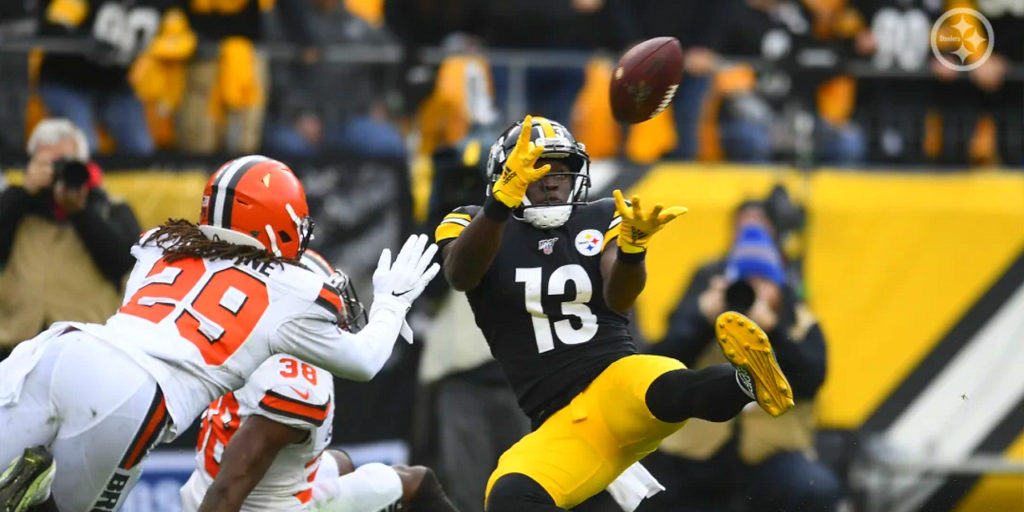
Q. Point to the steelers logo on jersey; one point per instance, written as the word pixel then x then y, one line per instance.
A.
pixel 589 242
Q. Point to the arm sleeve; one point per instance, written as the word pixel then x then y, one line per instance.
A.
pixel 315 337
pixel 688 332
pixel 108 231
pixel 14 202
pixel 802 354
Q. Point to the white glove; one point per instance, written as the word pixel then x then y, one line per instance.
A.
pixel 403 281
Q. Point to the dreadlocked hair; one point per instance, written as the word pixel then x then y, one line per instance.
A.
pixel 182 239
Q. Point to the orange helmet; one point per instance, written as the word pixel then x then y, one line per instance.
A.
pixel 257 201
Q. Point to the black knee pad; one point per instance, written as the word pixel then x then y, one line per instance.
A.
pixel 516 492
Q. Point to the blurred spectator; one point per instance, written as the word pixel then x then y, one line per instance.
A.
pixel 339 106
pixel 471 413
pixel 64 244
pixel 754 462
pixel 86 80
pixel 894 112
pixel 780 110
pixel 228 78
pixel 555 25
pixel 460 108
pixel 697 26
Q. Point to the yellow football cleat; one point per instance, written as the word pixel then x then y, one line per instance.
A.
pixel 746 346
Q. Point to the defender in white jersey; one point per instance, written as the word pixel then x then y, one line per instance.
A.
pixel 262 447
pixel 288 407
pixel 205 306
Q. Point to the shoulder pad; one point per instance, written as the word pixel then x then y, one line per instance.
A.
pixel 453 223
pixel 289 391
pixel 329 298
pixel 286 405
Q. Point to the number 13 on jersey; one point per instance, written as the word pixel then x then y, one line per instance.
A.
pixel 532 279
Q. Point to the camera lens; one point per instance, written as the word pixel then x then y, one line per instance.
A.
pixel 73 173
pixel 739 296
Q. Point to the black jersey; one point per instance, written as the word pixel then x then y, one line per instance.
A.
pixel 541 305
pixel 111 34
pixel 214 20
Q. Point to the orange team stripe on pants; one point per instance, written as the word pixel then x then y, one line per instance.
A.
pixel 146 436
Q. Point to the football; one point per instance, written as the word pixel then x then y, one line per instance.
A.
pixel 645 79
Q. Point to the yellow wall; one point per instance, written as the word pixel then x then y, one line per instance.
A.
pixel 153 195
pixel 893 260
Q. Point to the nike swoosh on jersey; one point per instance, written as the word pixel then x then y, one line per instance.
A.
pixel 304 395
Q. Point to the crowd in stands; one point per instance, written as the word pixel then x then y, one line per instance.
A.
pixel 766 80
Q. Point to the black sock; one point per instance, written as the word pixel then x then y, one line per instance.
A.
pixel 431 496
pixel 710 394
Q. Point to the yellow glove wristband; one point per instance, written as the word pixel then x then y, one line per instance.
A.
pixel 519 169
pixel 637 226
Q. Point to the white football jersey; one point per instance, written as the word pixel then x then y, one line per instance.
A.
pixel 201 327
pixel 287 391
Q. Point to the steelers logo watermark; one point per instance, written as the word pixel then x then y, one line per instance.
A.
pixel 962 39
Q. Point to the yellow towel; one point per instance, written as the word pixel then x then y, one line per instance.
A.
pixel 592 120
pixel 237 84
pixel 70 13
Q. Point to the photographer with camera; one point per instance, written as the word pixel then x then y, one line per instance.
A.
pixel 64 244
pixel 753 462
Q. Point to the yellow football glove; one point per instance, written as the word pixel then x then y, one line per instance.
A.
pixel 519 171
pixel 638 226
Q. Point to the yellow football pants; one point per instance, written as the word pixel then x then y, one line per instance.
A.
pixel 587 444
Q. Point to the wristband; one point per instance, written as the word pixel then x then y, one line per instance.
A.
pixel 631 257
pixel 496 210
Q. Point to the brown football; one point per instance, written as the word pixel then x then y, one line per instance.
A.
pixel 645 79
